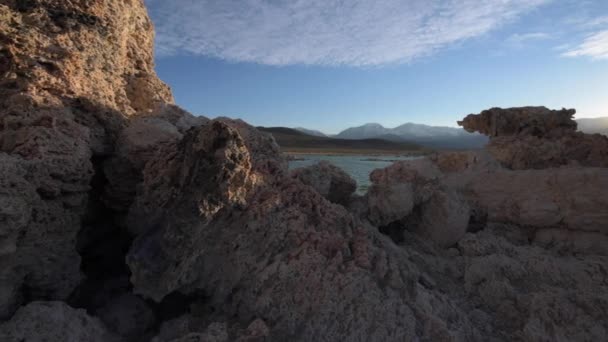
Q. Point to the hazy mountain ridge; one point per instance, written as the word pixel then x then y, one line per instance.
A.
pixel 294 140
pixel 311 132
pixel 593 125
pixel 426 135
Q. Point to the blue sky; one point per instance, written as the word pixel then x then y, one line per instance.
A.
pixel 333 64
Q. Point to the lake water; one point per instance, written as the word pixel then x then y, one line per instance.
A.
pixel 358 167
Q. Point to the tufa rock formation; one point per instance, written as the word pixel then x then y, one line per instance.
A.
pixel 537 138
pixel 72 74
pixel 328 180
pixel 125 218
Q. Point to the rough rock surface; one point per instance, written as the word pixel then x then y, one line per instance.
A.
pixel 160 223
pixel 99 50
pixel 72 72
pixel 330 181
pixel 53 321
pixel 141 139
pixel 552 203
pixel 410 195
pixel 536 138
pixel 279 251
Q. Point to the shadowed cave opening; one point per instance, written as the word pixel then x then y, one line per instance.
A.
pixel 103 243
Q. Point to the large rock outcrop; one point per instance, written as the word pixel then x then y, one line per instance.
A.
pixel 273 248
pixel 72 73
pixel 97 50
pixel 160 223
pixel 536 138
pixel 410 195
pixel 329 180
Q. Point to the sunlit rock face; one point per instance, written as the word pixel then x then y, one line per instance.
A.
pixel 536 138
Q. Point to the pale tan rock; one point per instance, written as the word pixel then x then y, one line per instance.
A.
pixel 101 50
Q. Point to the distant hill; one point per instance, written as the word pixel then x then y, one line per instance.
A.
pixel 311 132
pixel 593 125
pixel 292 140
pixel 425 135
pixel 370 130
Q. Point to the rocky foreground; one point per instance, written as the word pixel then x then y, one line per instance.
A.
pixel 124 218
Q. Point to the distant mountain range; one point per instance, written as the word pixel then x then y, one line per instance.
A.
pixel 311 132
pixel 374 136
pixel 296 141
pixel 425 135
pixel 594 125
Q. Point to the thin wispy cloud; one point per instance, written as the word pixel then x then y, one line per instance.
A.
pixel 325 32
pixel 519 40
pixel 594 46
pixel 595 22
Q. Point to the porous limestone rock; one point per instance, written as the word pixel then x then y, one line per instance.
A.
pixel 397 189
pixel 533 293
pixel 97 50
pixel 54 321
pixel 329 180
pixel 536 138
pixel 72 72
pixel 215 146
pixel 137 143
pixel 46 169
pixel 235 248
pixel 522 121
pixel 410 195
pixel 277 249
pixel 570 198
pixel 565 205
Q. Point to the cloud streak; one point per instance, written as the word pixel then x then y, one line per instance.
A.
pixel 594 46
pixel 325 32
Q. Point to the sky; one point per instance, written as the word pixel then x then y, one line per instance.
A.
pixel 334 64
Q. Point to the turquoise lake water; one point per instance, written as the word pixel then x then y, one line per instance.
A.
pixel 358 167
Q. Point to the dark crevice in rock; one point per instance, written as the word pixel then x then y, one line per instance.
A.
pixel 478 220
pixel 177 304
pixel 394 230
pixel 107 292
pixel 102 245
